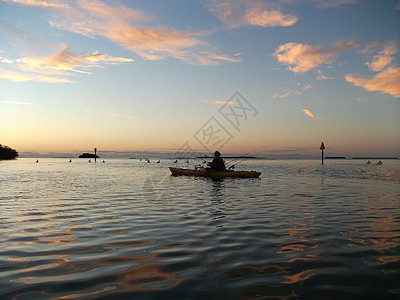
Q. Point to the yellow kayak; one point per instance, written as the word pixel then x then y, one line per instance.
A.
pixel 215 175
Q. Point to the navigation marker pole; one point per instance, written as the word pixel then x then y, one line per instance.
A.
pixel 95 155
pixel 322 148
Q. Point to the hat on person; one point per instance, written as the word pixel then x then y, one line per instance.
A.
pixel 217 153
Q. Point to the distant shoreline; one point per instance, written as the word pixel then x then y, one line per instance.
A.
pixel 170 155
pixel 362 157
pixel 229 157
pixel 375 157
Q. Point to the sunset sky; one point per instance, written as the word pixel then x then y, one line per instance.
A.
pixel 228 75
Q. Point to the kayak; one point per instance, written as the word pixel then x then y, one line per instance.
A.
pixel 215 175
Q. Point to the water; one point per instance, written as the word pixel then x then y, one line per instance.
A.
pixel 127 228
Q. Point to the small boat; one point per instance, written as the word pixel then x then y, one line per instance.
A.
pixel 214 175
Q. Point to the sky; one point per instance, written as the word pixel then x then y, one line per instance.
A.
pixel 239 76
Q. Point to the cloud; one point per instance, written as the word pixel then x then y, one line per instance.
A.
pixel 17 35
pixel 120 115
pixel 286 94
pixel 321 76
pixel 236 13
pixel 387 82
pixel 224 102
pixel 101 10
pixel 302 58
pixel 126 27
pixel 308 113
pixel 370 48
pixel 19 103
pixel 228 58
pixel 333 3
pixel 383 58
pixel 40 3
pixel 129 28
pixel 62 63
pixel 155 43
pixel 308 87
pixel 111 114
pixel 65 60
pixel 387 79
pixel 362 99
pixel 22 77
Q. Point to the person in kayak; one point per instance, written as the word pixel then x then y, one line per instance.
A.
pixel 217 164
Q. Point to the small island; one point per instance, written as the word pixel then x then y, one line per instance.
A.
pixel 88 155
pixel 7 153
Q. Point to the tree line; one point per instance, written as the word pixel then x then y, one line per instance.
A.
pixel 7 152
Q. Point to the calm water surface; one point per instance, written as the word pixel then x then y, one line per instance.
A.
pixel 127 229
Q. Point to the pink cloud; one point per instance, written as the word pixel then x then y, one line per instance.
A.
pixel 236 13
pixel 124 27
pixel 387 82
pixel 56 67
pixel 383 58
pixel 302 58
pixel 22 77
pixel 224 102
pixel 308 113
pixel 40 3
pixel 257 16
pixel 129 28
pixel 286 94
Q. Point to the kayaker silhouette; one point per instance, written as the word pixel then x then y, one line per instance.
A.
pixel 217 164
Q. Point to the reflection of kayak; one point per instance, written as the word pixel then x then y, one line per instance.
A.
pixel 223 174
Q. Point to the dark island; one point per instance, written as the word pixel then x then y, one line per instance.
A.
pixel 88 155
pixel 7 153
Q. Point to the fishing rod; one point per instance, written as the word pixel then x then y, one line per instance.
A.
pixel 241 159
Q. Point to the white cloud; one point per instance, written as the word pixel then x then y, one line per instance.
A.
pixel 362 99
